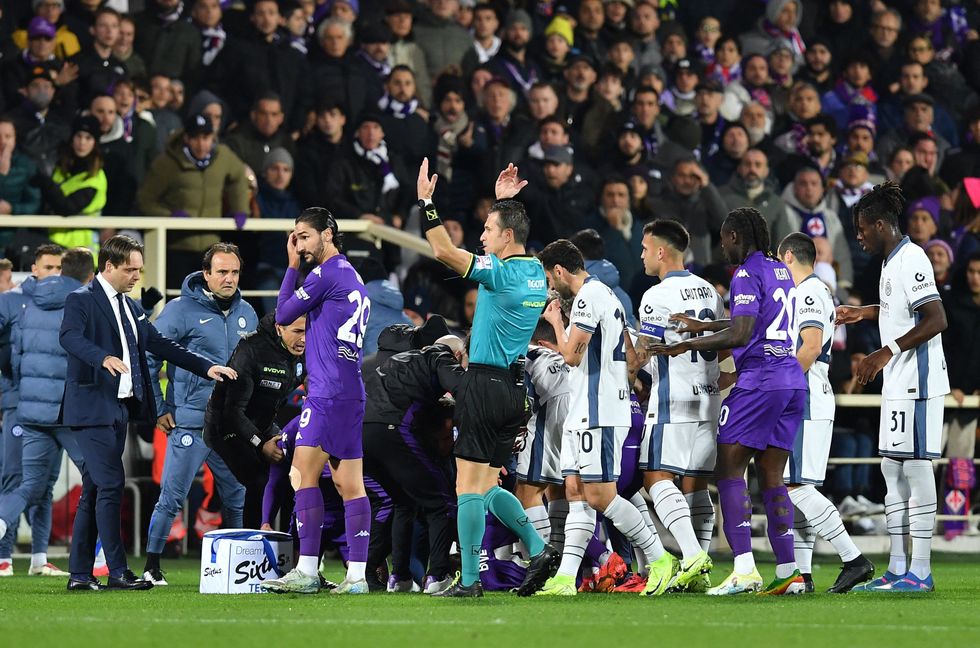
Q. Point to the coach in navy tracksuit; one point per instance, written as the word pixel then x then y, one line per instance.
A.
pixel 209 318
pixel 107 338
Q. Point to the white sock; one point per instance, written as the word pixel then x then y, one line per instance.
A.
pixel 671 508
pixel 896 514
pixel 308 565
pixel 922 513
pixel 803 539
pixel 640 502
pixel 785 570
pixel 824 517
pixel 39 559
pixel 538 517
pixel 628 520
pixel 579 527
pixel 557 512
pixel 745 563
pixel 702 516
pixel 355 570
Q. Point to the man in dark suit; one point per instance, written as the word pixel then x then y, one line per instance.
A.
pixel 107 337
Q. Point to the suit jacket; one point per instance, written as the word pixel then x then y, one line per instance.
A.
pixel 89 333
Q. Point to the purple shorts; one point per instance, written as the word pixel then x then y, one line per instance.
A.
pixel 332 425
pixel 759 419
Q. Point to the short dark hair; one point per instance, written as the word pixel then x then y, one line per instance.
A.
pixel 48 248
pixel 101 11
pixel 220 248
pixel 400 68
pixel 553 119
pixel 671 231
pixel 544 330
pixel 915 138
pixel 825 120
pixel 117 250
pixel 645 89
pixel 562 253
pixel 590 244
pixel 320 219
pixel 885 202
pixel 801 246
pixel 513 216
pixel 77 263
pixel 267 96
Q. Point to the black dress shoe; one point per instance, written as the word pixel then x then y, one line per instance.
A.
pixel 84 584
pixel 853 573
pixel 542 567
pixel 128 581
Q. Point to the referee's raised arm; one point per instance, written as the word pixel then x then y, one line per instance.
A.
pixel 507 186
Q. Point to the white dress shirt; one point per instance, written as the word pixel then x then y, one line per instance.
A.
pixel 126 379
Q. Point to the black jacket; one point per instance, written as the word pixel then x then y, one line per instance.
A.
pixel 409 378
pixel 267 375
pixel 962 340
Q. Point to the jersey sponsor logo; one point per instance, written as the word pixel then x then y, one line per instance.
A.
pixel 302 294
pixel 274 370
pixel 317 271
pixel 483 263
pixel 533 304
pixel 743 300
pixel 648 309
pixel 580 303
pixel 205 321
pixel 702 389
pixel 920 276
pixel 923 286
pixel 271 384
pixel 535 284
pixel 742 273
pixel 809 300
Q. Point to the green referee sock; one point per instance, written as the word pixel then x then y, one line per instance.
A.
pixel 509 511
pixel 471 522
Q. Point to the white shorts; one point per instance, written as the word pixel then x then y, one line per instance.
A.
pixel 687 449
pixel 539 461
pixel 807 463
pixel 911 429
pixel 594 455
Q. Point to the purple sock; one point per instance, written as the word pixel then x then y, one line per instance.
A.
pixel 595 549
pixel 736 506
pixel 357 518
pixel 779 512
pixel 309 519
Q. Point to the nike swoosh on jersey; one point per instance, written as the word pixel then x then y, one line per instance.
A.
pixel 205 321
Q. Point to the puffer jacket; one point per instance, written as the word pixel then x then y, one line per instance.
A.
pixel 39 363
pixel 386 309
pixel 197 322
pixel 608 274
pixel 12 305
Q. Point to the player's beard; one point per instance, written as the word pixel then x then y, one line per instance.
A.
pixel 311 260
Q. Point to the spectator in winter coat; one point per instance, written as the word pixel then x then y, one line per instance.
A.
pixel 692 200
pixel 440 37
pixel 387 302
pixel 593 248
pixel 264 131
pixel 17 195
pixel 276 200
pixel 621 230
pixel 166 43
pixel 750 187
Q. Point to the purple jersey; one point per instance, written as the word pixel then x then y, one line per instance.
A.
pixel 336 306
pixel 763 288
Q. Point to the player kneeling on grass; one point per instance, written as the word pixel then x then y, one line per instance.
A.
pixel 598 348
pixel 807 465
pixel 910 318
pixel 682 412
pixel 760 416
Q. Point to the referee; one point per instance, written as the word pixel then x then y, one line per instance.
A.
pixel 491 400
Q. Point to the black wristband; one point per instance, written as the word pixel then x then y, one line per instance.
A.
pixel 428 216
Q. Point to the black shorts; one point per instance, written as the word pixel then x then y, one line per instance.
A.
pixel 490 410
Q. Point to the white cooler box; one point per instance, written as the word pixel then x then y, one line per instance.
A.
pixel 235 561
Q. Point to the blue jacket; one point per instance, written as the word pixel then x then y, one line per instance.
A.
pixel 387 303
pixel 12 305
pixel 607 273
pixel 38 361
pixel 89 333
pixel 195 321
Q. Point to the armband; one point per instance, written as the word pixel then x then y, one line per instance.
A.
pixel 428 216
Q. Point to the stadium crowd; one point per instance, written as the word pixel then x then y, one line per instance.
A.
pixel 617 112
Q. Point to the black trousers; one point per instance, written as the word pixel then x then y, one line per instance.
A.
pixel 421 484
pixel 249 469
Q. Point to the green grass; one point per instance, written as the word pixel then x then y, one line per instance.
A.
pixel 36 612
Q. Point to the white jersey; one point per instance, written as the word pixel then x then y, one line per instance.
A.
pixel 685 387
pixel 547 388
pixel 815 309
pixel 907 282
pixel 600 391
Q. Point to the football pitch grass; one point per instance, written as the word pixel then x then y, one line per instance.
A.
pixel 37 612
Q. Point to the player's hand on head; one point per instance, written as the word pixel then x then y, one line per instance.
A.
pixel 426 186
pixel 115 366
pixel 688 324
pixel 219 373
pixel 292 256
pixel 508 184
pixel 552 313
